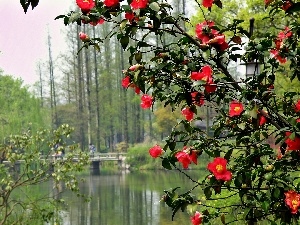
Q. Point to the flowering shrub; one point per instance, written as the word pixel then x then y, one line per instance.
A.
pixel 189 71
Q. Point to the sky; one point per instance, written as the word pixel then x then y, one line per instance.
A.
pixel 23 37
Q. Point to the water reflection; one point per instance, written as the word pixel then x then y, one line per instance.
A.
pixel 125 199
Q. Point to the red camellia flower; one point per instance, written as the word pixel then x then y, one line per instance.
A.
pixel 276 54
pixel 111 3
pixel 156 151
pixel 209 36
pixel 126 82
pixel 84 37
pixel 197 98
pixel 129 16
pixel 286 5
pixel 146 101
pixel 204 74
pixel 292 200
pixel 262 120
pixel 292 144
pixel 186 156
pixel 197 218
pixel 188 113
pixel 139 4
pixel 85 5
pixel 218 168
pixel 235 108
pixel 297 106
pixel 210 86
pixel 207 3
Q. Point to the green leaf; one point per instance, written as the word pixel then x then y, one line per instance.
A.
pixel 154 6
pixel 166 164
pixel 74 17
pixel 265 206
pixel 276 192
pixel 124 41
pixel 207 192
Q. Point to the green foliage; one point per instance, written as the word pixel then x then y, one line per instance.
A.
pixel 138 157
pixel 20 110
pixel 26 161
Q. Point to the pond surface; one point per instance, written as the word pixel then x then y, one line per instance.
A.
pixel 125 199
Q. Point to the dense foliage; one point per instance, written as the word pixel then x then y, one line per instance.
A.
pixel 27 163
pixel 20 110
pixel 189 71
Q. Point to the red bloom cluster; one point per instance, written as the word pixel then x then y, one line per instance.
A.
pixel 207 3
pixel 111 3
pixel 292 144
pixel 218 168
pixel 279 45
pixel 85 5
pixel 205 74
pixel 131 17
pixel 146 101
pixel 197 218
pixel 126 83
pixel 235 108
pixel 292 200
pixel 139 4
pixel 186 156
pixel 210 36
pixel 156 151
pixel 188 113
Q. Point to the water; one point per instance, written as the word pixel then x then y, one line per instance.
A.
pixel 124 199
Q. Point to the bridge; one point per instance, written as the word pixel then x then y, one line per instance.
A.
pixel 96 160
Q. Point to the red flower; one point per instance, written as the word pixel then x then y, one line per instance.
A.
pixel 209 36
pixel 286 5
pixel 297 106
pixel 262 120
pixel 134 67
pixel 197 218
pixel 188 113
pixel 156 151
pixel 235 108
pixel 204 74
pixel 186 157
pixel 129 16
pixel 126 82
pixel 197 98
pixel 287 33
pixel 137 90
pixel 218 168
pixel 85 5
pixel 146 101
pixel 139 4
pixel 292 144
pixel 210 86
pixel 111 3
pixel 292 200
pixel 203 31
pixel 275 54
pixel 207 3
pixel 84 37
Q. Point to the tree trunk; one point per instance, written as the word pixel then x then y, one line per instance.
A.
pixel 97 97
pixel 80 94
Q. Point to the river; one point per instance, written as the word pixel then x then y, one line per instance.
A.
pixel 122 198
